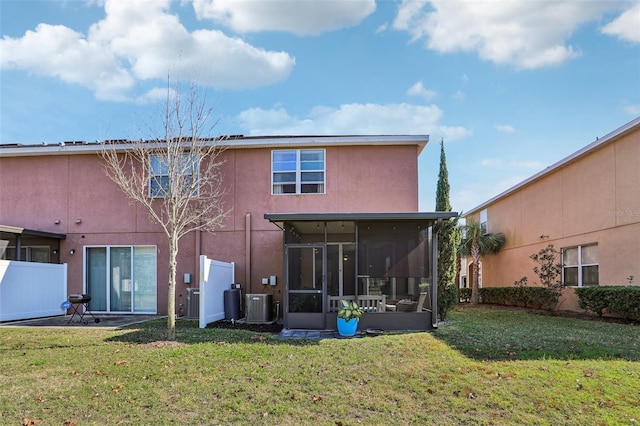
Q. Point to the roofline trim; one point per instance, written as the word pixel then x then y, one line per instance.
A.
pixel 336 217
pixel 69 148
pixel 598 143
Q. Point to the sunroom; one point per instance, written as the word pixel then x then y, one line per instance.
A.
pixel 384 261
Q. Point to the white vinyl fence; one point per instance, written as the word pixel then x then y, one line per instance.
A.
pixel 215 278
pixel 31 290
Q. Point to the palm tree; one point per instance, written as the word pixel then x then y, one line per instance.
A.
pixel 475 243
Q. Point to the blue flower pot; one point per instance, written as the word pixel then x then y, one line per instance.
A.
pixel 347 328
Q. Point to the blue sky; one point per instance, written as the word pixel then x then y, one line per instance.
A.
pixel 510 86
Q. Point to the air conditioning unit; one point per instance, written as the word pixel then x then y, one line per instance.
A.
pixel 258 308
pixel 193 303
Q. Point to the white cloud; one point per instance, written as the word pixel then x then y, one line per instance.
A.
pixel 504 128
pixel 626 26
pixel 57 51
pixel 459 95
pixel 365 119
pixel 632 109
pixel 419 90
pixel 297 17
pixel 523 34
pixel 524 164
pixel 154 95
pixel 490 162
pixel 139 41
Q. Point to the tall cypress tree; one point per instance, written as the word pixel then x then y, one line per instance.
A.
pixel 448 241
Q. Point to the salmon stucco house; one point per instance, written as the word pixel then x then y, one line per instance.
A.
pixel 587 205
pixel 313 219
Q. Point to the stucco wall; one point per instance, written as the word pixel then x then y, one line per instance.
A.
pixel 38 191
pixel 594 199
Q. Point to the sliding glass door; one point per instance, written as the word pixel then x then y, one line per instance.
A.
pixel 121 279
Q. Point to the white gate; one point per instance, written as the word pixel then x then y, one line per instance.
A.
pixel 31 290
pixel 215 278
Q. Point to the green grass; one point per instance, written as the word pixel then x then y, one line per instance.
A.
pixel 486 366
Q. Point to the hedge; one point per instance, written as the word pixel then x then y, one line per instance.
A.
pixel 465 294
pixel 528 297
pixel 615 299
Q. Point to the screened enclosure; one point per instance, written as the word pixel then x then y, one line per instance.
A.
pixel 385 262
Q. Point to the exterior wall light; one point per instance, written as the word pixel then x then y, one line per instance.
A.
pixel 72 251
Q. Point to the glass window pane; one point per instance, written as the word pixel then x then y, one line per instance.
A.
pixel 284 166
pixel 571 256
pixel 159 186
pixel 312 188
pixel 590 275
pixel 312 165
pixel 158 166
pixel 312 177
pixel 289 156
pixel 40 254
pixel 284 178
pixel 284 189
pixel 312 155
pixel 120 258
pixel 144 273
pixel 97 277
pixel 589 254
pixel 571 276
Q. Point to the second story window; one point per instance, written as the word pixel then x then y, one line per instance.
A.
pixel 166 179
pixel 298 171
pixel 483 221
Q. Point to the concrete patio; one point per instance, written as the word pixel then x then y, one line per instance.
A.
pixel 106 320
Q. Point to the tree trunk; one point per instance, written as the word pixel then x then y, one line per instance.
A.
pixel 475 287
pixel 171 294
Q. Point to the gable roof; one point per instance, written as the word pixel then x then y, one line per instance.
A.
pixel 229 142
pixel 597 144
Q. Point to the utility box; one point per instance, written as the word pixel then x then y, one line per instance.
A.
pixel 193 303
pixel 258 308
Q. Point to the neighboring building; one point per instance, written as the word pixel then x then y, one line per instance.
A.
pixel 326 216
pixel 587 205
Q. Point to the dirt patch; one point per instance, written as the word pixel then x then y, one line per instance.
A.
pixel 274 328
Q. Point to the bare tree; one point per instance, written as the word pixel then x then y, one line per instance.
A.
pixel 176 177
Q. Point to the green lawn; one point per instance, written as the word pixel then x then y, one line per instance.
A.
pixel 486 366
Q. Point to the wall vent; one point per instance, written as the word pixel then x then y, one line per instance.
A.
pixel 193 303
pixel 258 307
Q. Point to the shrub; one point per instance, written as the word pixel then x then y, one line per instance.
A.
pixel 548 270
pixel 465 294
pixel 593 299
pixel 528 297
pixel 617 300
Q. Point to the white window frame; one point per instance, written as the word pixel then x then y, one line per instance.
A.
pixel 299 171
pixel 108 248
pixel 579 264
pixel 158 169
